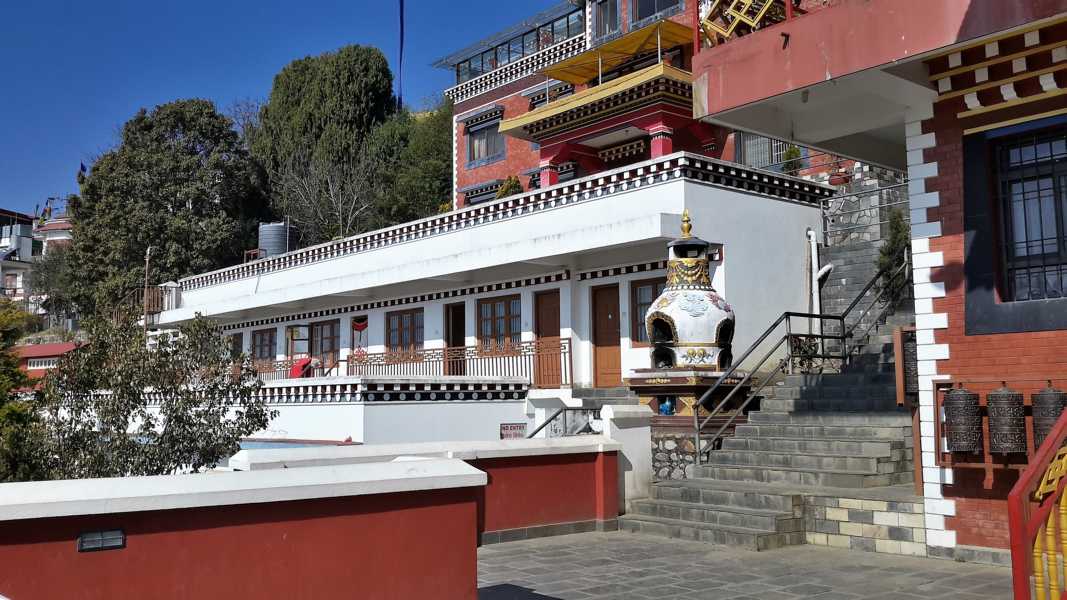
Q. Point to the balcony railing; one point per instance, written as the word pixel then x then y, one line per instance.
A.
pixel 545 363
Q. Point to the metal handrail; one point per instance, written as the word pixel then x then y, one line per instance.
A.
pixel 845 353
pixel 556 414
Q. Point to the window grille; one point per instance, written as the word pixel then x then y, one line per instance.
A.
pixel 1031 171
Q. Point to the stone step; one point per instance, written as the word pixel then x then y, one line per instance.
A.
pixel 731 516
pixel 870 465
pixel 751 539
pixel 884 419
pixel 823 432
pixel 807 446
pixel 806 477
pixel 860 392
pixel 730 493
pixel 854 404
pixel 837 379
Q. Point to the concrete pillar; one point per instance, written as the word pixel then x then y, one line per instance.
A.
pixel 549 175
pixel 662 140
pixel 631 426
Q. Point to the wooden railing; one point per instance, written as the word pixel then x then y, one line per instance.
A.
pixel 1037 521
pixel 545 363
pixel 273 370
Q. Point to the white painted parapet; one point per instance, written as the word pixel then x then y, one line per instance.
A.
pixel 319 456
pixel 44 499
pixel 631 427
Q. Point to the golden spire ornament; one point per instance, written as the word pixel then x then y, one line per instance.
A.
pixel 687 225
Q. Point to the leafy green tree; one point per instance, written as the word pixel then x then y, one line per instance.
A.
pixel 115 408
pixel 19 426
pixel 891 255
pixel 510 187
pixel 792 160
pixel 55 277
pixel 411 156
pixel 321 108
pixel 180 181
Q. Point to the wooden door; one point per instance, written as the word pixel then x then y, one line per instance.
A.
pixel 548 363
pixel 607 357
pixel 455 339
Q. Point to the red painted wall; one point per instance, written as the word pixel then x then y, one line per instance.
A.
pixel 519 155
pixel 847 37
pixel 545 490
pixel 388 546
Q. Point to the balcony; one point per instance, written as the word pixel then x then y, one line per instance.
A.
pixel 545 364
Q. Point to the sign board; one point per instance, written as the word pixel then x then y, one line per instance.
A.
pixel 512 431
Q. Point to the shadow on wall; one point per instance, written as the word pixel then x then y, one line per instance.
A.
pixel 507 591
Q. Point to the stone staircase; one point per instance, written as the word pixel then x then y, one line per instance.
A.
pixel 813 434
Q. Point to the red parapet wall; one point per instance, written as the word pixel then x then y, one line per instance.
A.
pixel 545 490
pixel 399 546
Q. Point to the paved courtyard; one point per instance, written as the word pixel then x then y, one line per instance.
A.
pixel 625 565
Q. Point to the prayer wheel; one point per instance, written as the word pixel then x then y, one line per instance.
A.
pixel 1048 404
pixel 963 420
pixel 1007 421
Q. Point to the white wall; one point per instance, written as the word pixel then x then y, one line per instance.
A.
pixel 763 271
pixel 390 422
pixel 325 421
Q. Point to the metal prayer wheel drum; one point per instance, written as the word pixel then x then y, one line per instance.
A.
pixel 963 420
pixel 1047 404
pixel 1007 421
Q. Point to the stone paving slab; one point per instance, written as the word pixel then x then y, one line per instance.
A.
pixel 624 566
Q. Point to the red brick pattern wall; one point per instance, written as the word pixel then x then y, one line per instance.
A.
pixel 981 512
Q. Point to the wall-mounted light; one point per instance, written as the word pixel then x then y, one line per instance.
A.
pixel 93 541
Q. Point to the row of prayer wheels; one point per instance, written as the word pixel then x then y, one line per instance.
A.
pixel 1007 418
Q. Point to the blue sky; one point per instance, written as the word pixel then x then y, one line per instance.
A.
pixel 73 72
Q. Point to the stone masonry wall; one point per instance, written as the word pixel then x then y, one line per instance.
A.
pixel 868 525
pixel 672 455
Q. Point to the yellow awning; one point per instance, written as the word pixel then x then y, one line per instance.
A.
pixel 587 65
pixel 514 126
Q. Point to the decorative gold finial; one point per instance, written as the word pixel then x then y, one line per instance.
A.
pixel 687 225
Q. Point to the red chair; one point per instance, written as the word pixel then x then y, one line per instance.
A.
pixel 300 368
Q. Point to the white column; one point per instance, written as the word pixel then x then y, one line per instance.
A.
pixel 280 343
pixel 631 426
pixel 433 326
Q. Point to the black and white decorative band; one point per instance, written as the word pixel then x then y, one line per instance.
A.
pixel 454 293
pixel 622 270
pixel 488 113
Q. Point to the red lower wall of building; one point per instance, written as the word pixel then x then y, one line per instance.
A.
pixel 389 546
pixel 532 491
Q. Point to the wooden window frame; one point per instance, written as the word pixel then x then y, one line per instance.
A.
pixel 512 338
pixel 236 342
pixel 637 317
pixel 257 336
pixel 289 339
pixel 418 340
pixel 336 337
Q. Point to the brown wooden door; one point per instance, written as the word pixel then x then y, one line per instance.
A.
pixel 455 338
pixel 548 363
pixel 607 357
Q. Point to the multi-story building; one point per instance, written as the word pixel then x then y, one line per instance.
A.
pixel 486 318
pixel 16 253
pixel 969 97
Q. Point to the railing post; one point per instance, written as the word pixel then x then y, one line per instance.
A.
pixel 788 9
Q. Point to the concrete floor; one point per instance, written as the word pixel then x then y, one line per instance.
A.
pixel 624 565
